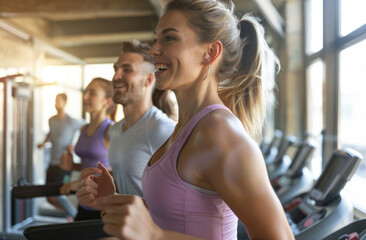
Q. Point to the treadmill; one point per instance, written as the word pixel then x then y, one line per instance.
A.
pixel 311 215
pixel 270 152
pixel 315 214
pixel 80 230
pixel 279 165
pixel 21 193
pixel 353 231
pixel 46 190
pixel 297 179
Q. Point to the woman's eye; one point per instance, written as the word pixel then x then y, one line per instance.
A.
pixel 169 38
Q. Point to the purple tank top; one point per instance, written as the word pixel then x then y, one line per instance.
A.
pixel 177 206
pixel 91 149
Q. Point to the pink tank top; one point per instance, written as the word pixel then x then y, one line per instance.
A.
pixel 178 206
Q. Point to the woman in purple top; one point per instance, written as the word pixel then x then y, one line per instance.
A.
pixel 210 172
pixel 92 145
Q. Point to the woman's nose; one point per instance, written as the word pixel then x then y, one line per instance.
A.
pixel 154 50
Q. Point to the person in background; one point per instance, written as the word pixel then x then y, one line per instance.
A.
pixel 93 143
pixel 61 134
pixel 210 172
pixel 144 128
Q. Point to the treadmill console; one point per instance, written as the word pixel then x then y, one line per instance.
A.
pixel 339 170
pixel 300 159
pixel 286 144
pixel 274 143
pixel 309 209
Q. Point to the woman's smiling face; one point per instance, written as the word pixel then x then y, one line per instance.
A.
pixel 94 99
pixel 177 54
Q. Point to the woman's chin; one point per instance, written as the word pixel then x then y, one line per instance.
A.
pixel 160 85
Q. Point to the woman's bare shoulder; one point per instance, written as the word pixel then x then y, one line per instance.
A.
pixel 232 151
pixel 222 128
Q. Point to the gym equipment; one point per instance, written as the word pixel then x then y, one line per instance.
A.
pixel 353 231
pixel 263 146
pixel 16 149
pixel 272 149
pixel 50 189
pixel 322 210
pixel 85 230
pixel 297 179
pixel 18 164
pixel 279 165
pixel 311 215
pixel 80 230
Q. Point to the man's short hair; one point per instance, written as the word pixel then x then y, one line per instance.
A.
pixel 63 96
pixel 139 48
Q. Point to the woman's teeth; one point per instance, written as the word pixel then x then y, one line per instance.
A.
pixel 160 67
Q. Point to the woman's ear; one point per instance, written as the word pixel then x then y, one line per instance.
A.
pixel 214 51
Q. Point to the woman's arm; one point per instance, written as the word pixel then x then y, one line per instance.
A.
pixel 237 172
pixel 241 180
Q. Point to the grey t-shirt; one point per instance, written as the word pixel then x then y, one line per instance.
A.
pixel 130 150
pixel 62 133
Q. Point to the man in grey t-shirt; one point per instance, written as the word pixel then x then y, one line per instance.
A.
pixel 62 130
pixel 131 149
pixel 143 130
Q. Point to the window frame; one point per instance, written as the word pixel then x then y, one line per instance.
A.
pixel 333 44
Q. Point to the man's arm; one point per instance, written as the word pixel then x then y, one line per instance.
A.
pixel 47 139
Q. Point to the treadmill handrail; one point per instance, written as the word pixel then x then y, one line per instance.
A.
pixel 79 230
pixel 32 191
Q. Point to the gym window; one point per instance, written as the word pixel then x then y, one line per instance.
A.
pixel 342 54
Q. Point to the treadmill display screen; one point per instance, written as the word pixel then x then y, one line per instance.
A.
pixel 335 167
pixel 297 162
pixel 339 169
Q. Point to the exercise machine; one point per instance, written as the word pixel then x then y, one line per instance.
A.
pixel 80 230
pixel 297 179
pixel 279 165
pixel 353 231
pixel 322 210
pixel 270 151
pixel 16 148
pixel 18 163
pixel 47 190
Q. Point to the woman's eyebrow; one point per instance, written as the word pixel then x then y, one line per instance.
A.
pixel 166 30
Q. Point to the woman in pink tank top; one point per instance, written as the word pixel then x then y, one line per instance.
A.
pixel 210 172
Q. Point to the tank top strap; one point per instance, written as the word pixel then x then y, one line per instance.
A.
pixel 196 118
pixel 105 124
pixel 101 129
